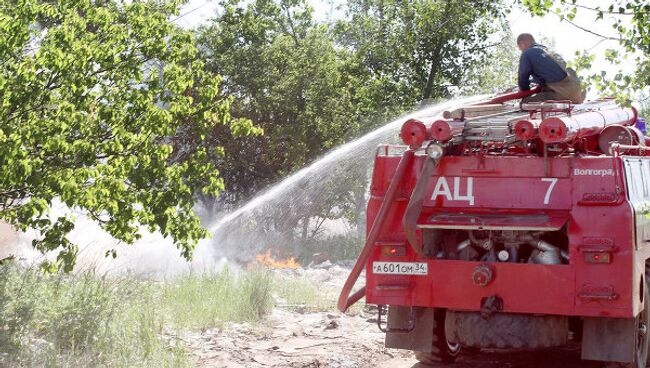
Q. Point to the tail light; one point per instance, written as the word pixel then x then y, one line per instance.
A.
pixel 393 250
pixel 598 257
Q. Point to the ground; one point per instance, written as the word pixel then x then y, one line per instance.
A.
pixel 335 340
pixel 297 338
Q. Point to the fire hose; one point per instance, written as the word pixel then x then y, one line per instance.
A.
pixel 414 207
pixel 345 299
pixel 411 215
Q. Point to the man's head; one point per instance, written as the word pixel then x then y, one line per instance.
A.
pixel 524 41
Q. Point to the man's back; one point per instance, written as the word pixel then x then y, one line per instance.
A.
pixel 537 62
pixel 549 71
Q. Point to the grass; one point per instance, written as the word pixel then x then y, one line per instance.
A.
pixel 204 301
pixel 57 320
pixel 302 293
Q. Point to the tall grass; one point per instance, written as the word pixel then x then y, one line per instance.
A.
pixel 203 301
pixel 85 320
pixel 300 292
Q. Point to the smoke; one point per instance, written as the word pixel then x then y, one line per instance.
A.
pixel 152 257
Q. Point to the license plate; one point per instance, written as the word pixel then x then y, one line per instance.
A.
pixel 400 268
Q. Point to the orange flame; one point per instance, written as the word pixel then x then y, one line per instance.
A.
pixel 267 260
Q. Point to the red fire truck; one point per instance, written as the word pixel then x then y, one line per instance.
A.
pixel 508 225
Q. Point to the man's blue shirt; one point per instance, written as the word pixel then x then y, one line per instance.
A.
pixel 540 65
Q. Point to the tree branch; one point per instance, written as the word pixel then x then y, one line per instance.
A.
pixel 589 31
pixel 597 9
pixel 482 47
pixel 291 27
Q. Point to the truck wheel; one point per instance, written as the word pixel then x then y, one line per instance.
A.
pixel 642 323
pixel 442 351
pixel 641 348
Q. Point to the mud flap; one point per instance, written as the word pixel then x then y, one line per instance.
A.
pixel 609 339
pixel 420 338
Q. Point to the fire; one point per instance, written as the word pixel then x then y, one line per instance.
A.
pixel 267 260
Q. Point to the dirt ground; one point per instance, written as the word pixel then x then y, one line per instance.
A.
pixel 334 340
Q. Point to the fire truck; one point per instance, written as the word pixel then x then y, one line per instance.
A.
pixel 508 225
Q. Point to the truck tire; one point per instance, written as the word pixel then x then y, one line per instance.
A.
pixel 442 351
pixel 642 323
pixel 506 330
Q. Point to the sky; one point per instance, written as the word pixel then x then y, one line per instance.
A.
pixel 567 38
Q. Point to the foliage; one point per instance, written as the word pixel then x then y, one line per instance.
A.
pixel 89 92
pixel 313 85
pixel 644 107
pixel 409 51
pixel 84 320
pixel 289 78
pixel 498 72
pixel 631 24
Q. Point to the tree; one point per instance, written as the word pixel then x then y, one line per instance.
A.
pixel 630 29
pixel 418 50
pixel 498 71
pixel 90 92
pixel 311 86
pixel 289 78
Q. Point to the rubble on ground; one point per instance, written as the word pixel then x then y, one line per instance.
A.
pixel 289 339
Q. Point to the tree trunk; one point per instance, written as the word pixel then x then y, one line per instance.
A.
pixel 305 228
pixel 433 72
pixel 435 54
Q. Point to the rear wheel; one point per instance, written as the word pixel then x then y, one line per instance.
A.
pixel 442 351
pixel 641 347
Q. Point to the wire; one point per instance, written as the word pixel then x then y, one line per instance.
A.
pixel 181 16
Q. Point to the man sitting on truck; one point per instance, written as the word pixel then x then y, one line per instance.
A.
pixel 548 70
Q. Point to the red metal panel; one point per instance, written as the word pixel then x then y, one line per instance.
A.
pixel 500 182
pixel 523 288
pixel 602 226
